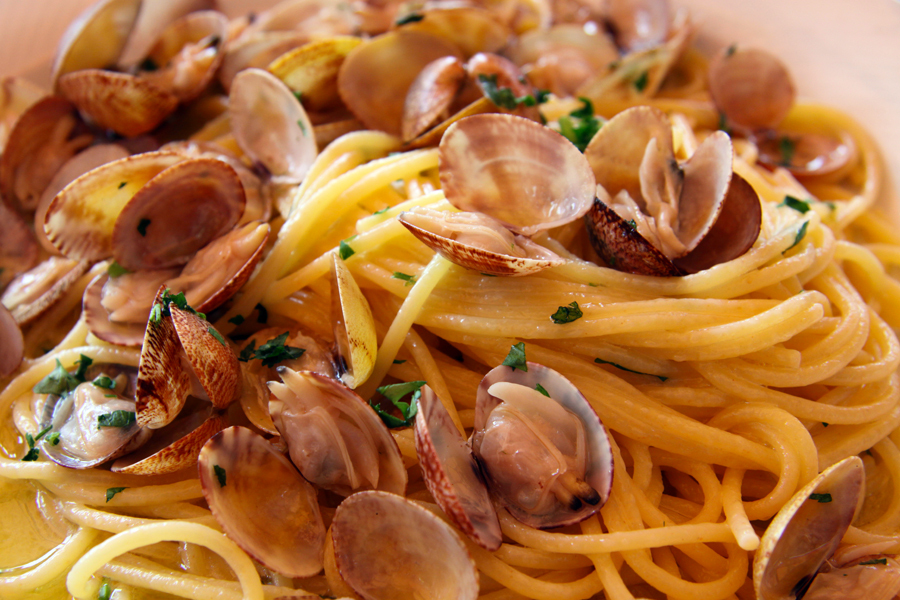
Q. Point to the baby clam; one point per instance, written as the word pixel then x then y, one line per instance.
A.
pixel 517 171
pixel 807 531
pixel 337 441
pixel 548 461
pixel 869 577
pixel 471 28
pixel 638 24
pixel 806 154
pixel 153 18
pixel 34 291
pixel 19 251
pixel 355 339
pixel 695 215
pixel 478 242
pixel 262 503
pixel 12 348
pixel 374 532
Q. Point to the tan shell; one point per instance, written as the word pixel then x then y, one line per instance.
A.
pixel 811 154
pixel 807 530
pixel 521 173
pixel 124 103
pixel 18 249
pixel 460 238
pixel 751 86
pixel 214 363
pixel 336 440
pixel 432 137
pixel 12 348
pixel 17 94
pixel 80 219
pixel 638 24
pixel 431 95
pixel 42 140
pixel 312 70
pixel 176 213
pixel 452 475
pixel 271 126
pixel 256 50
pixel 470 28
pixel 356 343
pixel 870 577
pixel 152 20
pixel 173 448
pixel 264 506
pixel 374 532
pixel 376 76
pixel 552 496
pixel 312 18
pixel 34 291
pixel 98 320
pixel 96 38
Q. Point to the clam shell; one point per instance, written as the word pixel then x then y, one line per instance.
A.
pixel 12 348
pixel 452 475
pixel 807 531
pixel 375 533
pixel 214 363
pixel 521 173
pixel 256 50
pixel 752 87
pixel 312 70
pixel 174 448
pixel 312 18
pixel 81 218
pixel 326 426
pixel 472 256
pixel 470 28
pixel 376 76
pixel 152 20
pixel 18 249
pixel 96 38
pixel 271 126
pixel 356 343
pixel 638 24
pixel 264 506
pixel 707 175
pixel 812 155
pixel 97 318
pixel 34 151
pixel 176 213
pixel 432 137
pixel 124 103
pixel 36 290
pixel 599 463
pixel 431 94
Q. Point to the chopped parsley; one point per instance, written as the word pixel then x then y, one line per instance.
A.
pixel 796 203
pixel 822 498
pixel 723 123
pixel 105 592
pixel 104 382
pixel 302 126
pixel 382 211
pixel 640 84
pixel 786 147
pixel 53 438
pixel 345 251
pixel 117 418
pixel 399 361
pixel 123 184
pixel 395 392
pixel 731 50
pixel 116 270
pixel 504 97
pixel 148 64
pixel 541 389
pixel 143 224
pixel 600 361
pixel 801 233
pixel 875 561
pixel 567 314
pixel 824 424
pixel 412 17
pixel 263 316
pixel 216 335
pixel 516 357
pixel 581 125
pixel 272 352
pixel 33 453
pixel 220 475
pixel 407 279
pixel 111 492
pixel 236 319
pixel 298 96
pixel 60 382
pixel 161 309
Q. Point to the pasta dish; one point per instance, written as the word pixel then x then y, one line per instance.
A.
pixel 497 299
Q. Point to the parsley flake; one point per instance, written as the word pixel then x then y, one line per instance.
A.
pixel 541 389
pixel 143 224
pixel 161 309
pixel 298 96
pixel 105 592
pixel 33 453
pixel 236 319
pixel 731 50
pixel 801 233
pixel 786 147
pixel 53 438
pixel 503 96
pixel 247 353
pixel 581 125
pixel 797 204
pixel 272 352
pixel 395 392
pixel 567 314
pixel 263 316
pixel 822 498
pixel 116 270
pixel 382 211
pixel 216 335
pixel 407 279
pixel 345 251
pixel 60 382
pixel 875 561
pixel 148 64
pixel 516 357
pixel 111 492
pixel 824 424
pixel 117 418
pixel 600 361
pixel 220 475
pixel 640 84
pixel 723 123
pixel 412 17
pixel 123 184
pixel 104 382
pixel 399 361
pixel 301 126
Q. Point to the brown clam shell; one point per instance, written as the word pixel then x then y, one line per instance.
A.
pixel 262 502
pixel 431 94
pixel 19 251
pixel 638 24
pixel 452 475
pixel 811 154
pixel 121 102
pixel 356 342
pixel 176 213
pixel 515 170
pixel 376 75
pixel 153 18
pixel 34 291
pixel 472 29
pixel 97 318
pixel 12 344
pixel 214 363
pixel 373 532
pixel 312 70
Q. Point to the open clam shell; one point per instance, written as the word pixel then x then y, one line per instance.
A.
pixel 375 77
pixel 515 170
pixel 121 102
pixel 406 534
pixel 262 502
pixel 213 362
pixel 431 94
pixel 871 577
pixel 107 301
pixel 545 454
pixel 751 86
pixel 312 70
pixel 36 290
pixel 356 343
pixel 807 531
pixel 96 38
pixel 809 154
pixel 153 18
pixel 271 126
pixel 336 440
pixel 452 475
pixel 478 242
pixel 256 50
pixel 472 29
pixel 176 213
pixel 638 24
pixel 12 348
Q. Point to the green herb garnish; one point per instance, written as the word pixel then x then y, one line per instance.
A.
pixel 516 357
pixel 801 233
pixel 220 475
pixel 263 316
pixel 104 382
pixel 875 561
pixel 541 389
pixel 382 211
pixel 600 361
pixel 272 352
pixel 117 418
pixel 301 126
pixel 161 309
pixel 412 17
pixel 105 592
pixel 247 353
pixel 399 361
pixel 33 453
pixel 503 96
pixel 395 392
pixel 407 279
pixel 116 270
pixel 581 125
pixel 731 50
pixel 143 224
pixel 123 184
pixel 216 335
pixel 60 382
pixel 111 492
pixel 797 204
pixel 567 314
pixel 345 251
pixel 640 84
pixel 148 64
pixel 786 147
pixel 823 498
pixel 236 319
